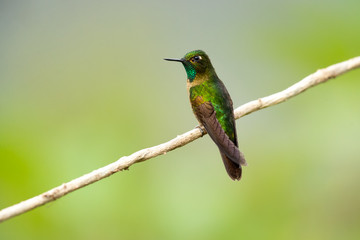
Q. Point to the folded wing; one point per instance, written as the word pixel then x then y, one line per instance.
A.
pixel 232 157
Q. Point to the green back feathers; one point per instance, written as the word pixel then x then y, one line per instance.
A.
pixel 214 91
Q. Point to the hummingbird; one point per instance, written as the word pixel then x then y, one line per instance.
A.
pixel 213 108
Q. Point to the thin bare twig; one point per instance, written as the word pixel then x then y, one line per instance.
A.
pixel 125 162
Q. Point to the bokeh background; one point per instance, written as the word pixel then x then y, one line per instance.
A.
pixel 83 83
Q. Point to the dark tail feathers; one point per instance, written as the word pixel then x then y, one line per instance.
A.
pixel 233 169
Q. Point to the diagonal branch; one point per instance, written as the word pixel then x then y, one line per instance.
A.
pixel 125 162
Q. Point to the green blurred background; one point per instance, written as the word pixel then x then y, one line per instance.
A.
pixel 83 83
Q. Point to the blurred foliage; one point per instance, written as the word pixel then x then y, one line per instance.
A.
pixel 83 83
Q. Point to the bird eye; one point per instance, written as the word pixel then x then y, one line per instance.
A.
pixel 196 58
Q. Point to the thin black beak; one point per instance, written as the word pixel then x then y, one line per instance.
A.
pixel 174 60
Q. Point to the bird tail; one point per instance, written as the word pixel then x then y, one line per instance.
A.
pixel 232 168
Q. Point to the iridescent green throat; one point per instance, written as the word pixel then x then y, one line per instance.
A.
pixel 190 71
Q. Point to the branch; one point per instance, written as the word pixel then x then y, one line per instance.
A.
pixel 125 162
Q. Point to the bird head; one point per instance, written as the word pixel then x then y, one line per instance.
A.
pixel 195 62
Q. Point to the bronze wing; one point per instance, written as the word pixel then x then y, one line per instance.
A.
pixel 231 156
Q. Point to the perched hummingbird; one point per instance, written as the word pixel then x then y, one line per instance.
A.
pixel 213 108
